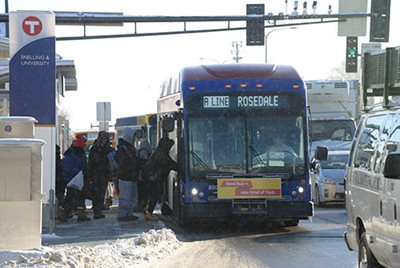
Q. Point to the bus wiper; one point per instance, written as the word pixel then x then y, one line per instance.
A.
pixel 256 155
pixel 202 163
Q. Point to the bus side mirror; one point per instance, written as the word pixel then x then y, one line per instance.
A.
pixel 313 165
pixel 392 166
pixel 321 153
pixel 168 124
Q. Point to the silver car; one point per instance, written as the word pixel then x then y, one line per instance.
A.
pixel 327 177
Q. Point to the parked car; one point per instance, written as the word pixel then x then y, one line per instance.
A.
pixel 327 177
pixel 372 183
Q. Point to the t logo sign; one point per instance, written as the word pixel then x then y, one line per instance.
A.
pixel 32 26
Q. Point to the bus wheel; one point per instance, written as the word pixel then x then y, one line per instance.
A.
pixel 365 257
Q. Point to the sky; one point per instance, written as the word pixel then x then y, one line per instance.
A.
pixel 128 72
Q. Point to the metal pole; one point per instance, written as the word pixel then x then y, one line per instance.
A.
pixel 52 208
pixel 266 39
pixel 7 24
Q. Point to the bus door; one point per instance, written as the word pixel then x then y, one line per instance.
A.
pixel 169 129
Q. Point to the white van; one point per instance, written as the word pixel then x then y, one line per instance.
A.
pixel 372 188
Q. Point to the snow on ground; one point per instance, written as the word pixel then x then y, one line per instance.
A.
pixel 140 251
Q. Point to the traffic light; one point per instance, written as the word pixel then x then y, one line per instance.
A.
pixel 351 54
pixel 380 20
pixel 255 28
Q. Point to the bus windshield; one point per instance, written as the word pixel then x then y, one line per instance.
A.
pixel 249 144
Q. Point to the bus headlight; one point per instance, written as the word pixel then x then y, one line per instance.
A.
pixel 194 192
pixel 301 190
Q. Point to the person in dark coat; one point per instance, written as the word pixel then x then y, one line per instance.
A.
pixel 73 162
pixel 144 152
pixel 155 173
pixel 60 184
pixel 100 171
pixel 128 174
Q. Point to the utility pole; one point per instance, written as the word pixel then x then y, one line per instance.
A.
pixel 236 51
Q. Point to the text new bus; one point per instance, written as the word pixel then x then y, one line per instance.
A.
pixel 224 119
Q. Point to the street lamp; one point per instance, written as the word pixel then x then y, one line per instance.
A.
pixel 266 37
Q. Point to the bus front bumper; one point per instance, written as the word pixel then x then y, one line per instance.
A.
pixel 270 209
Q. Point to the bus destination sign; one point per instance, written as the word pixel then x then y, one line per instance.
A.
pixel 216 102
pixel 254 101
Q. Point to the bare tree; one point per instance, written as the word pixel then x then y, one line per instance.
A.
pixel 340 73
pixel 64 138
pixel 63 117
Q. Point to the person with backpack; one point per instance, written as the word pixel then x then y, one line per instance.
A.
pixel 100 171
pixel 155 173
pixel 128 174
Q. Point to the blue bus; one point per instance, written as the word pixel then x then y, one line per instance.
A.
pixel 241 142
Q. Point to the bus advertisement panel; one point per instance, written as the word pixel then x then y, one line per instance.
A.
pixel 241 143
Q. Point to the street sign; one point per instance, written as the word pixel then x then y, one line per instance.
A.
pixel 33 66
pixel 370 47
pixel 380 20
pixel 103 111
pixel 33 88
pixel 353 26
pixel 255 28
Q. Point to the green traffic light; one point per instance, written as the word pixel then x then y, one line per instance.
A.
pixel 352 52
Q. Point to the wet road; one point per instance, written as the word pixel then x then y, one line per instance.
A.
pixel 314 243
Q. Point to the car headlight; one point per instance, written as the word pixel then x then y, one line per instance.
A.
pixel 328 181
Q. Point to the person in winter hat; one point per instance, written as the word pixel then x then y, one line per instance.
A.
pixel 79 142
pixel 100 171
pixel 128 174
pixel 73 162
pixel 155 173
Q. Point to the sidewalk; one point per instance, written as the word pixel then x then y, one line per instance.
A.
pixel 99 243
pixel 99 231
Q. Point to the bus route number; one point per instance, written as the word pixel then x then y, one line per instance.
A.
pixel 216 102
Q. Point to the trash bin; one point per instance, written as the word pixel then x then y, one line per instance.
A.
pixel 20 184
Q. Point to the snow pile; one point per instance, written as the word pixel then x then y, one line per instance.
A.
pixel 141 250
